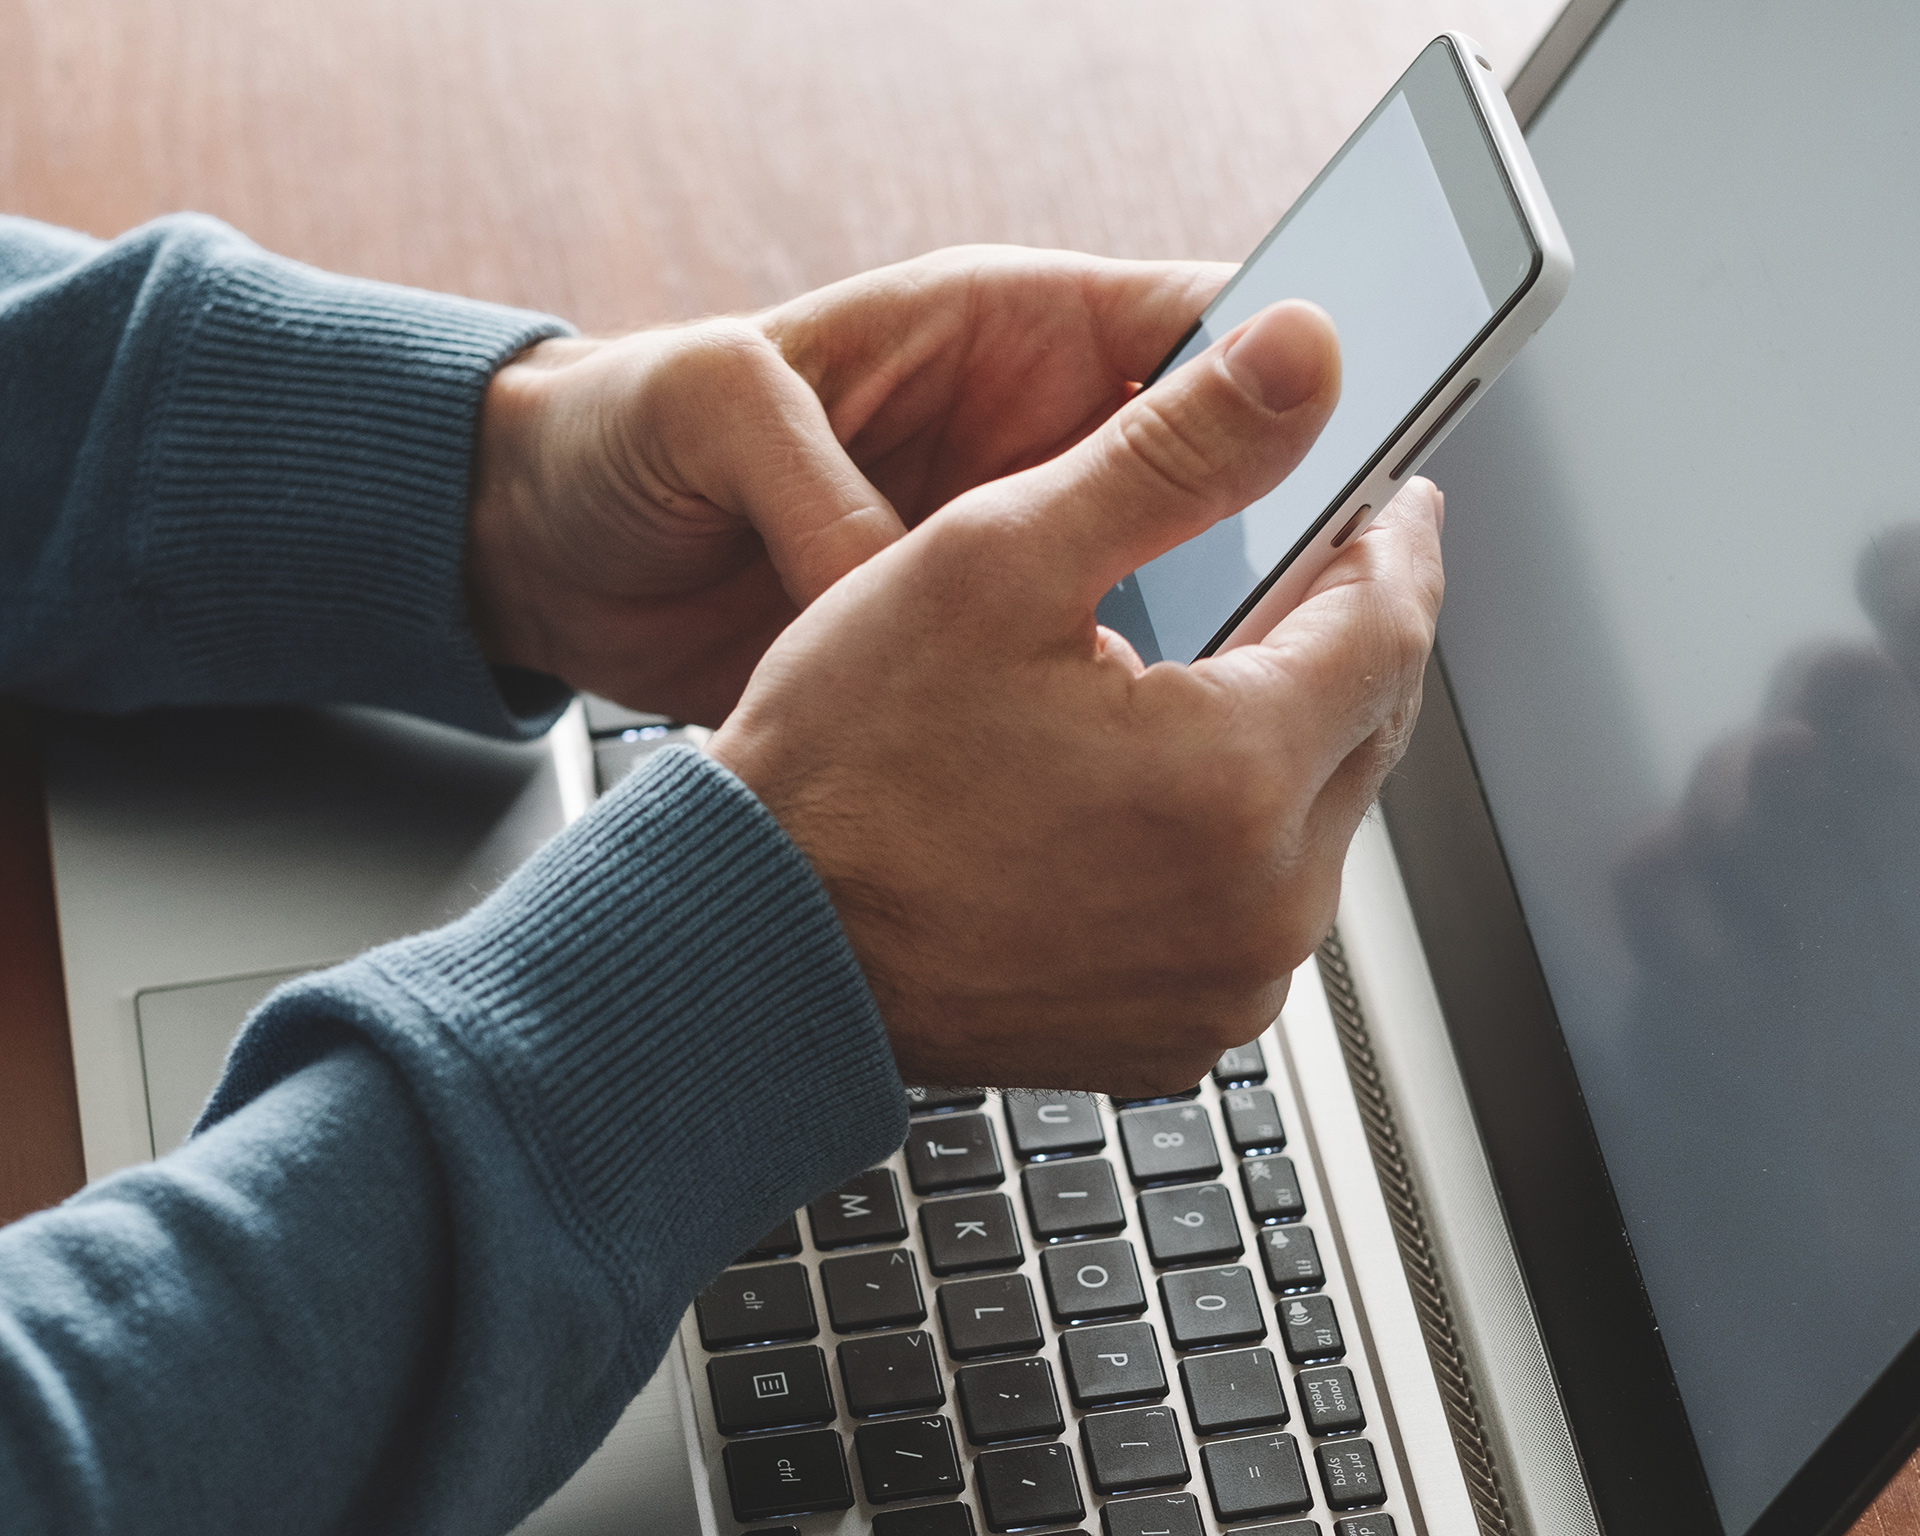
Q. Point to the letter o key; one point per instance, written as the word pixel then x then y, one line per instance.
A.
pixel 1087 1274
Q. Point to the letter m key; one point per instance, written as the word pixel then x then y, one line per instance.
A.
pixel 854 1205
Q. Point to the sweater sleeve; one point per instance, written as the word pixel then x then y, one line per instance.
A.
pixel 447 1205
pixel 230 479
pixel 449 1201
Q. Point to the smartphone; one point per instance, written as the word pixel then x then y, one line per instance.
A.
pixel 1430 241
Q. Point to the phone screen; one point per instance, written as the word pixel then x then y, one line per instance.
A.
pixel 1412 241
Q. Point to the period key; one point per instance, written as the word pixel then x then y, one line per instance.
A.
pixel 891 1373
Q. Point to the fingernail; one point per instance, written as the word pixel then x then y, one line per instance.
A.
pixel 1281 358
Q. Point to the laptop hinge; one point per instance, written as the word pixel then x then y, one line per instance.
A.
pixel 1416 1253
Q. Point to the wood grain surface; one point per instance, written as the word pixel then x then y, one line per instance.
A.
pixel 40 1160
pixel 626 162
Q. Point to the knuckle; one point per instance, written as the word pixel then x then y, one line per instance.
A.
pixel 1172 449
pixel 730 357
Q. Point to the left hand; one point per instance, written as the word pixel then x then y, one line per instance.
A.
pixel 648 513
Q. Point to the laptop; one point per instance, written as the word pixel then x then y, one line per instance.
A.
pixel 1577 1187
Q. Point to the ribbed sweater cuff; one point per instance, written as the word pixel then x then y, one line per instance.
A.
pixel 306 478
pixel 668 1014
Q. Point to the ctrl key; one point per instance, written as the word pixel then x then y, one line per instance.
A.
pixel 787 1475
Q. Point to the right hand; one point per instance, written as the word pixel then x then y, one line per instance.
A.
pixel 1059 867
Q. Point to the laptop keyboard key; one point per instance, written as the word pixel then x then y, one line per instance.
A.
pixel 1209 1307
pixel 1253 1120
pixel 770 1389
pixel 1260 1475
pixel 925 1101
pixel 1158 1098
pixel 1242 1064
pixel 990 1316
pixel 1073 1199
pixel 787 1475
pixel 1027 1485
pixel 1051 1123
pixel 1169 1144
pixel 1087 1282
pixel 929 1520
pixel 1133 1449
pixel 756 1306
pixel 865 1209
pixel 1350 1474
pixel 1190 1226
pixel 1310 1329
pixel 907 1459
pixel 1292 1259
pixel 1160 1514
pixel 783 1242
pixel 1272 1189
pixel 952 1152
pixel 1116 1364
pixel 1008 1400
pixel 1329 1401
pixel 970 1232
pixel 1233 1391
pixel 893 1373
pixel 872 1290
pixel 1360 1525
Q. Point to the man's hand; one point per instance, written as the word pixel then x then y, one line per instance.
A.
pixel 1058 867
pixel 648 513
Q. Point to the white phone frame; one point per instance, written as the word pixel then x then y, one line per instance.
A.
pixel 1464 385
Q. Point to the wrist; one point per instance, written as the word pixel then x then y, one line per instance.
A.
pixel 505 569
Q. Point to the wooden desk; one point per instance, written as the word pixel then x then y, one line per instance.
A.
pixel 622 162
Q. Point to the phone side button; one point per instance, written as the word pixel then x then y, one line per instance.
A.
pixel 1437 428
pixel 1354 525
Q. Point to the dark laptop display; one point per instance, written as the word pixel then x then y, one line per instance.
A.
pixel 1682 642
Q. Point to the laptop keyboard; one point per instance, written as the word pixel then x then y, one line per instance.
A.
pixel 1047 1312
pixel 1052 1313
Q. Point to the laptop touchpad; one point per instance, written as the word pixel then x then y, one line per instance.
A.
pixel 184 1036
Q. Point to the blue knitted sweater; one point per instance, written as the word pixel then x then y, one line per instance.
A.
pixel 447 1205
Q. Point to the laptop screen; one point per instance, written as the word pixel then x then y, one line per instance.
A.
pixel 1682 632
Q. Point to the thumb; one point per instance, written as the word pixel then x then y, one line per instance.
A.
pixel 1199 445
pixel 776 464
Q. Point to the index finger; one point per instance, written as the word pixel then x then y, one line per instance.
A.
pixel 1142 309
pixel 1339 667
